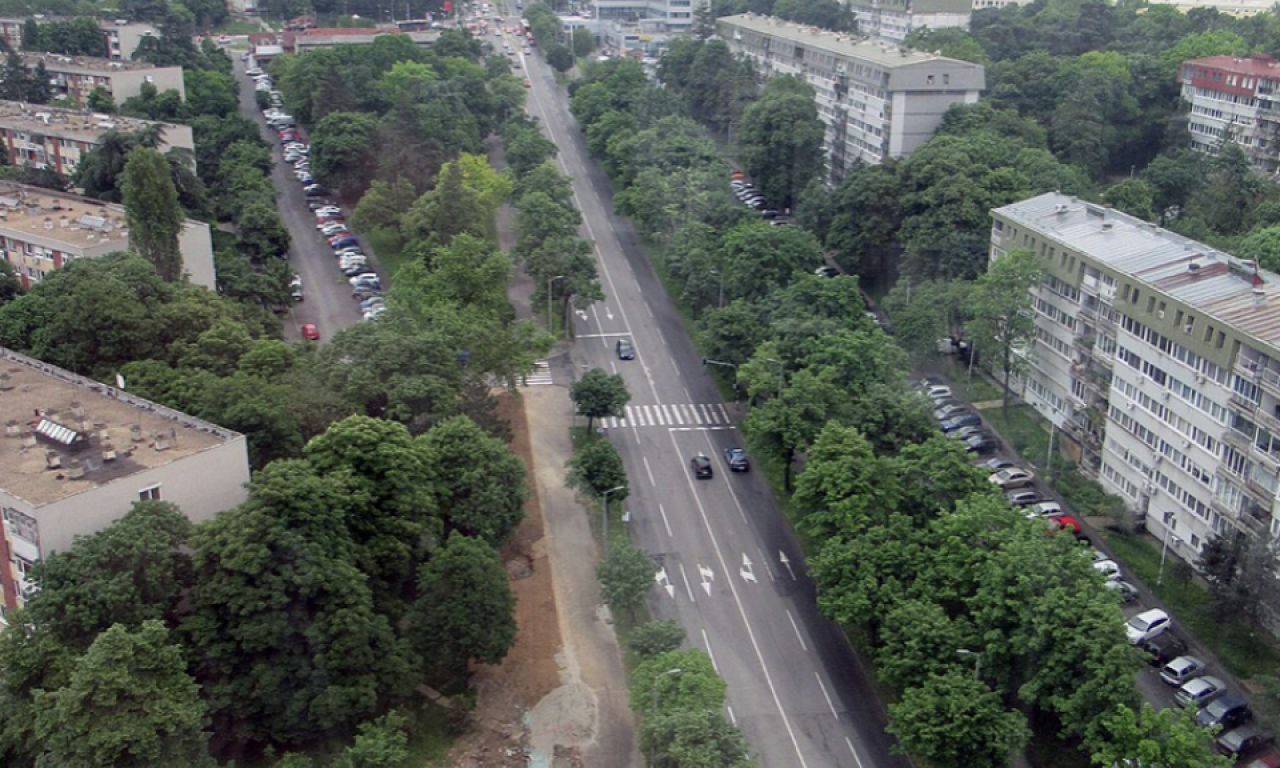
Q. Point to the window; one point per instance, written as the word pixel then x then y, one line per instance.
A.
pixel 149 494
pixel 21 525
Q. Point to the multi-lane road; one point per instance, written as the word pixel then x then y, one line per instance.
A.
pixel 733 574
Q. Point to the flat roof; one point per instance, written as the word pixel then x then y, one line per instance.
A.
pixel 77 124
pixel 84 64
pixel 1258 64
pixel 1229 289
pixel 34 213
pixel 851 46
pixel 65 434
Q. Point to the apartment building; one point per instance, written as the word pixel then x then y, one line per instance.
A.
pixel 76 76
pixel 40 230
pixel 1158 358
pixel 893 20
pixel 1229 98
pixel 54 139
pixel 876 100
pixel 76 454
pixel 1238 8
pixel 120 38
pixel 672 16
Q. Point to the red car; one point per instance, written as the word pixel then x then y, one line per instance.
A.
pixel 1269 760
pixel 1065 522
pixel 310 332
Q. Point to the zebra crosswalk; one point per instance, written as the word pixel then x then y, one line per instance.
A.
pixel 708 415
pixel 541 374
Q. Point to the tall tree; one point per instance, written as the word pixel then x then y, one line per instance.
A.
pixel 465 608
pixel 598 394
pixel 1002 317
pixel 478 483
pixel 626 576
pixel 154 214
pixel 955 721
pixel 697 738
pixel 597 468
pixel 129 703
pixel 781 140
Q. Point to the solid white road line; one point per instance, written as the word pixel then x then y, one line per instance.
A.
pixel 742 612
pixel 796 627
pixel 827 696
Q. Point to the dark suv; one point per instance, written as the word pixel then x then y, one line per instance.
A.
pixel 1164 649
pixel 1225 712
pixel 737 460
pixel 701 466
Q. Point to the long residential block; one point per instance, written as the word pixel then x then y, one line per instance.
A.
pixel 877 101
pixel 75 455
pixel 1237 99
pixel 41 230
pixel 54 139
pixel 1159 359
pixel 76 76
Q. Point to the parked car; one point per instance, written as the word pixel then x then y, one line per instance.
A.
pixel 997 463
pixel 1014 477
pixel 371 302
pixel 947 411
pixel 315 190
pixel 959 420
pixel 1146 625
pixel 625 350
pixel 982 444
pixel 1109 569
pixel 1023 497
pixel 1182 669
pixel 1163 649
pixel 1270 760
pixel 310 332
pixel 1242 741
pixel 1199 691
pixel 1228 711
pixel 1128 593
pixel 964 433
pixel 1065 523
pixel 365 277
pixel 737 460
pixel 701 466
pixel 345 241
pixel 1045 509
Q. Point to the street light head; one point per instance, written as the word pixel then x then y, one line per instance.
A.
pixel 966 652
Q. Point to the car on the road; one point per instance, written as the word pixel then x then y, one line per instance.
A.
pixel 1013 477
pixel 1109 569
pixel 310 332
pixel 737 460
pixel 1225 712
pixel 1128 593
pixel 959 420
pixel 701 466
pixel 1243 741
pixel 1023 497
pixel 1182 669
pixel 625 349
pixel 1163 649
pixel 1146 625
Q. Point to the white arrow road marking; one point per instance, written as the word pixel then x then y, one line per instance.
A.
pixel 707 577
pixel 746 572
pixel 786 561
pixel 607 313
pixel 665 582
pixel 581 314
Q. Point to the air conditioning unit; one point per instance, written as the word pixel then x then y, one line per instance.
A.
pixel 1200 378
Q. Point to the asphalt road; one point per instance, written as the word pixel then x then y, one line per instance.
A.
pixel 733 574
pixel 327 298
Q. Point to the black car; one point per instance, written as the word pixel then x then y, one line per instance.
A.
pixel 1243 741
pixel 315 191
pixel 625 350
pixel 1164 649
pixel 982 444
pixel 737 460
pixel 1226 712
pixel 701 466
pixel 965 419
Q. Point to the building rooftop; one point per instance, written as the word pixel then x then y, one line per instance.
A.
pixel 1258 64
pixel 83 64
pixel 849 46
pixel 1231 290
pixel 77 124
pixel 65 434
pixel 60 217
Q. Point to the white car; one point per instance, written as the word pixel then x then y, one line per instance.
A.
pixel 1147 625
pixel 1045 509
pixel 1109 569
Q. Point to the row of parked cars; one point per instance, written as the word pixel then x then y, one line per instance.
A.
pixel 296 152
pixel 751 197
pixel 366 286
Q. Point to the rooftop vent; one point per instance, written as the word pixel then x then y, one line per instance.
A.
pixel 52 459
pixel 58 433
pixel 12 428
pixel 1193 267
pixel 76 470
pixel 1107 225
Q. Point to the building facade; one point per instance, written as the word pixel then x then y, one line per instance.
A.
pixel 120 38
pixel 75 77
pixel 877 101
pixel 671 16
pixel 1234 99
pixel 893 20
pixel 40 230
pixel 1159 359
pixel 76 454
pixel 53 139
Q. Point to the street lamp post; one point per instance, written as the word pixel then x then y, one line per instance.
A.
pixel 720 274
pixel 977 663
pixel 1164 550
pixel 668 673
pixel 550 280
pixel 708 361
pixel 606 517
pixel 782 369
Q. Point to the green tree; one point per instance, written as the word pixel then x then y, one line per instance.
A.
pixel 584 42
pixel 381 743
pixel 100 100
pixel 696 687
pixel 654 638
pixel 478 484
pixel 129 702
pixel 789 422
pixel 925 312
pixel 695 738
pixel 918 641
pixel 342 151
pixel 596 468
pixel 383 205
pixel 598 394
pixel 1165 737
pixel 153 211
pixel 758 259
pixel 955 721
pixel 1261 245
pixel 625 575
pixel 130 572
pixel 1002 317
pixel 465 610
pixel 1133 196
pixel 781 140
pixel 559 57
